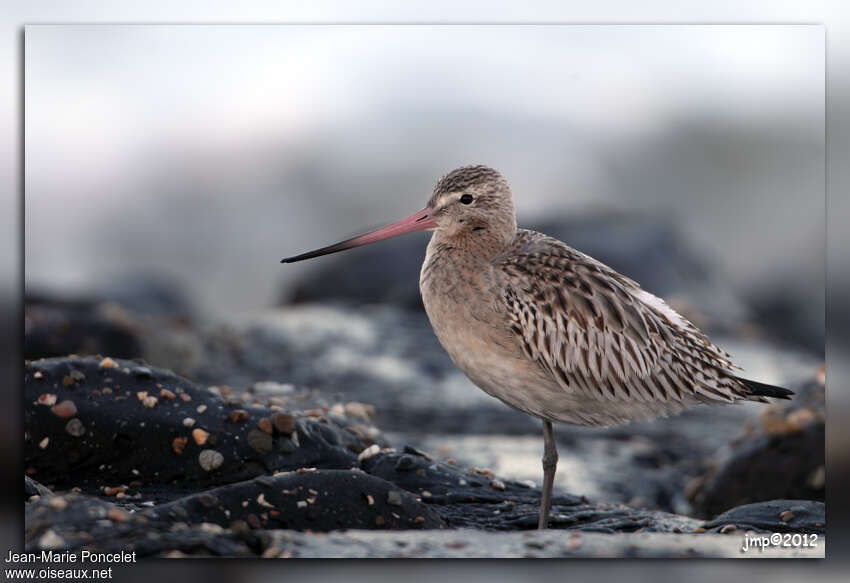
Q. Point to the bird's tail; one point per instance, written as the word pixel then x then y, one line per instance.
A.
pixel 757 389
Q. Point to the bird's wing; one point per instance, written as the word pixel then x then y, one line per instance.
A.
pixel 596 331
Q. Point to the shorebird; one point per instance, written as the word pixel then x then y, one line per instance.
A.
pixel 547 329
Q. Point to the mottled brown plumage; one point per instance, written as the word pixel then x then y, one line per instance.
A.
pixel 549 330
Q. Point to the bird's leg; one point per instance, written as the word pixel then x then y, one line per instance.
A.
pixel 550 462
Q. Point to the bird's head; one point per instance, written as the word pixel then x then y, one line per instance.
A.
pixel 473 201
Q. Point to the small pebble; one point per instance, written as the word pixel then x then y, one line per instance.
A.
pixel 426 494
pixel 817 478
pixel 284 422
pixel 370 500
pixel 261 500
pixel 210 459
pixel 48 399
pixel 200 436
pixel 186 397
pixel 369 452
pixel 75 428
pixel 108 363
pixel 259 441
pixel 207 500
pixel 394 498
pixel 361 410
pixel 150 402
pixel 237 416
pixel 51 540
pixel 166 394
pixel 37 375
pixel 115 514
pixel 179 444
pixel 188 422
pixel 728 528
pixel 419 520
pixel 113 490
pixel 142 395
pixel 57 503
pixel 497 485
pixel 301 504
pixel 43 443
pixel 65 410
pixel 201 408
pixel 211 528
pixel 265 425
pixel 786 515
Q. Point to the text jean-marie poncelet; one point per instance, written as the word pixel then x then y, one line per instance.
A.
pixel 52 556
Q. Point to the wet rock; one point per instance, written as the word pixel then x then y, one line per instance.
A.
pixel 803 516
pixel 321 500
pixel 456 493
pixel 779 456
pixel 118 439
pixel 90 522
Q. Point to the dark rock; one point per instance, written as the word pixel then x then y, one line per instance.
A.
pixel 58 329
pixel 780 457
pixel 320 500
pixel 33 488
pixel 90 522
pixel 129 437
pixel 141 295
pixel 456 493
pixel 804 516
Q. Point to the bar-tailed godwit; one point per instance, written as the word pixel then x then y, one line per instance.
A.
pixel 547 329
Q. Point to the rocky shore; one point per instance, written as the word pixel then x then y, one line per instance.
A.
pixel 123 455
pixel 336 426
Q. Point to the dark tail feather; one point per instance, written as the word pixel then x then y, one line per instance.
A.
pixel 758 389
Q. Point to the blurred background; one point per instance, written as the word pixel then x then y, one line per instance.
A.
pixel 198 161
pixel 201 155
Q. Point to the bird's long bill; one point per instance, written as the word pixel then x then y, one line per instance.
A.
pixel 415 222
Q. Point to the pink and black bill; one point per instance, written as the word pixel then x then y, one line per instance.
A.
pixel 416 222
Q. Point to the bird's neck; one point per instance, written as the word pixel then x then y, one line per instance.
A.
pixel 479 244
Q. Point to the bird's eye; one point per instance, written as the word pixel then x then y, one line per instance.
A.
pixel 466 199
